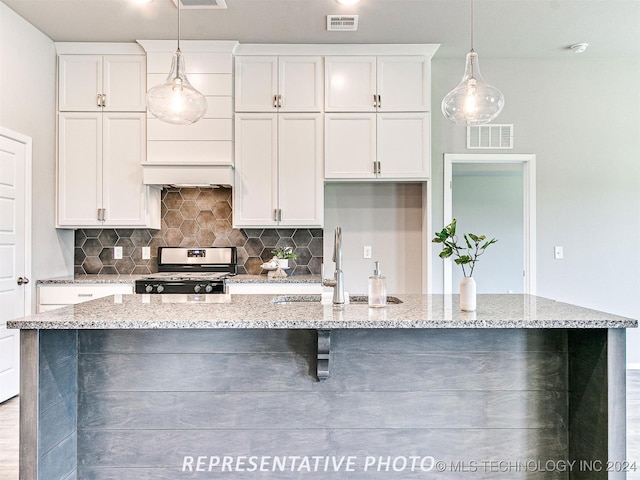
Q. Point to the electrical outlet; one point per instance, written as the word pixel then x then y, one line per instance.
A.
pixel 146 253
pixel 117 253
pixel 366 251
pixel 558 253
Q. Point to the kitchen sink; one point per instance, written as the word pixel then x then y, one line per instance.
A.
pixel 359 299
pixel 354 299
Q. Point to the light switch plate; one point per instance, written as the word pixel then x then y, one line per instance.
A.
pixel 558 253
pixel 117 253
pixel 146 253
pixel 366 251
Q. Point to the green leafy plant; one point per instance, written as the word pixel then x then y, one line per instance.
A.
pixel 475 246
pixel 285 253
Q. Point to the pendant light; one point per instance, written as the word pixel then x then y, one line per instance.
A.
pixel 473 101
pixel 175 100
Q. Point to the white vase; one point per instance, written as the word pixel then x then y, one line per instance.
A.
pixel 283 262
pixel 467 294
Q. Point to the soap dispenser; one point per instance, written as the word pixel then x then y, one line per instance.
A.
pixel 377 288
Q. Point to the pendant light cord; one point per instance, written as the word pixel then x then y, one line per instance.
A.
pixel 178 24
pixel 470 21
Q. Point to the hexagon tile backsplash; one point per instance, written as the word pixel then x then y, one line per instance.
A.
pixel 194 217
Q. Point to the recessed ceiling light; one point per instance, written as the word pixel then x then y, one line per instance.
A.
pixel 142 1
pixel 579 47
pixel 347 2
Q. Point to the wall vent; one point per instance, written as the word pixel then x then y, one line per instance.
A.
pixel 342 23
pixel 201 4
pixel 490 137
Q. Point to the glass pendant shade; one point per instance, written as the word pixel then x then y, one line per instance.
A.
pixel 175 100
pixel 473 101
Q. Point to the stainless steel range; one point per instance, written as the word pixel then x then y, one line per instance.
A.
pixel 191 270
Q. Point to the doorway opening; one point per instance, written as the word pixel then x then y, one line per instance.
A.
pixel 494 194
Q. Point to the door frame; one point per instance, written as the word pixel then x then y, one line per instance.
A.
pixel 528 162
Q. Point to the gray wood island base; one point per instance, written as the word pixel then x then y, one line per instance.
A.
pixel 137 387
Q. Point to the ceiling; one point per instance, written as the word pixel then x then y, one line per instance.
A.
pixel 503 28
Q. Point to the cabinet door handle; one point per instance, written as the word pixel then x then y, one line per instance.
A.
pixel 279 215
pixel 275 101
pixel 101 214
pixel 275 214
pixel 379 101
pixel 375 101
pixel 279 101
pixel 375 168
pixel 99 99
pixel 104 99
pixel 379 168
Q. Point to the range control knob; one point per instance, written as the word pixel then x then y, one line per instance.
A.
pixel 197 288
pixel 208 288
pixel 148 288
pixel 160 288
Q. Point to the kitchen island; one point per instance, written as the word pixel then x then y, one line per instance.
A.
pixel 223 386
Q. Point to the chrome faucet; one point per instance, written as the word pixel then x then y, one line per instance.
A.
pixel 337 282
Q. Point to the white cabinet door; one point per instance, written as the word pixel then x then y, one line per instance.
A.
pixel 285 84
pixel 79 169
pixel 403 145
pixel 350 84
pixel 99 167
pixel 278 170
pixel 124 144
pixel 300 84
pixel 256 81
pixel 87 81
pixel 403 84
pixel 79 83
pixel 124 83
pixel 300 175
pixel 350 145
pixel 255 192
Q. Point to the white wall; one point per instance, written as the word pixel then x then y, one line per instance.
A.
pixel 27 106
pixel 386 216
pixel 580 117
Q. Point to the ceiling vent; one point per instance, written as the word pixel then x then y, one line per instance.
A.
pixel 201 4
pixel 490 137
pixel 342 23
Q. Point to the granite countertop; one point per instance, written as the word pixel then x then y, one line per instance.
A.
pixel 259 311
pixel 130 279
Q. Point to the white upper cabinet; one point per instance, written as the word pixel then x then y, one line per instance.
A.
pixel 278 84
pixel 278 170
pixel 94 83
pixel 404 84
pixel 100 172
pixel 385 146
pixel 350 84
pixel 377 84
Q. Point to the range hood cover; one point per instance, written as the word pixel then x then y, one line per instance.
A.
pixel 187 175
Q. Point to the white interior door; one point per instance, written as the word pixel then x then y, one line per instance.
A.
pixel 15 155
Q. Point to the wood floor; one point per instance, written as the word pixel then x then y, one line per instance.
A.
pixel 9 412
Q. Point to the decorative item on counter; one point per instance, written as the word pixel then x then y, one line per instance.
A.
pixel 377 288
pixel 475 247
pixel 283 255
pixel 274 268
